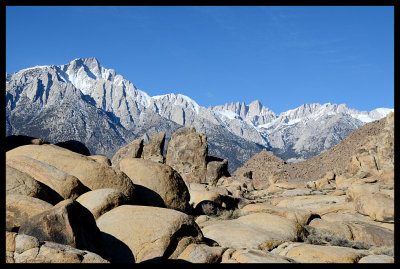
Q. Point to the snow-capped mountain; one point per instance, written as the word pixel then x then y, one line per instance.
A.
pixel 84 101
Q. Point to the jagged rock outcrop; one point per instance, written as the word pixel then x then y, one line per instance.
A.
pixel 377 154
pixel 216 168
pixel 186 153
pixel 154 148
pixel 133 150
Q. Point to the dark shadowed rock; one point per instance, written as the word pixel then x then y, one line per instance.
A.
pixel 22 248
pixel 13 141
pixel 154 148
pixel 133 150
pixel 20 183
pixel 74 146
pixel 19 208
pixel 216 168
pixel 67 223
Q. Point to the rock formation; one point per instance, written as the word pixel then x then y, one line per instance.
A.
pixel 186 153
pixel 266 212
pixel 157 184
pixel 133 150
pixel 154 148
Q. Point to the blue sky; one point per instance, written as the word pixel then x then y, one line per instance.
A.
pixel 284 56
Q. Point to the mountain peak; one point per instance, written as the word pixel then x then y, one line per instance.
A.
pixel 256 102
pixel 90 60
pixel 92 63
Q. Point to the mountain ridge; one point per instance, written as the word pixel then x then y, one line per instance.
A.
pixel 127 110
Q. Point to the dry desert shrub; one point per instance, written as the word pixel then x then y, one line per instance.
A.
pixel 319 237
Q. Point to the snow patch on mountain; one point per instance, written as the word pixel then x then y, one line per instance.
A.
pixel 227 114
pixel 178 100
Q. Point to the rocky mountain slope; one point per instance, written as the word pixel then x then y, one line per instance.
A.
pixel 266 164
pixel 86 102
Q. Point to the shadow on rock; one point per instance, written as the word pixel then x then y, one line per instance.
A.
pixel 74 146
pixel 117 251
pixel 14 141
pixel 148 197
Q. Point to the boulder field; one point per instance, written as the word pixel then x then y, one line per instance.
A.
pixel 141 207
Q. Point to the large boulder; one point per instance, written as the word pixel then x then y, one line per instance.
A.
pixel 378 206
pixel 300 216
pixel 22 248
pixel 157 184
pixel 354 216
pixel 67 186
pixel 317 204
pixel 19 208
pixel 20 183
pixel 154 148
pixel 67 223
pixel 187 151
pixel 356 231
pixel 101 201
pixel 360 188
pixel 371 234
pixel 251 231
pixel 133 150
pixel 143 233
pixel 92 174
